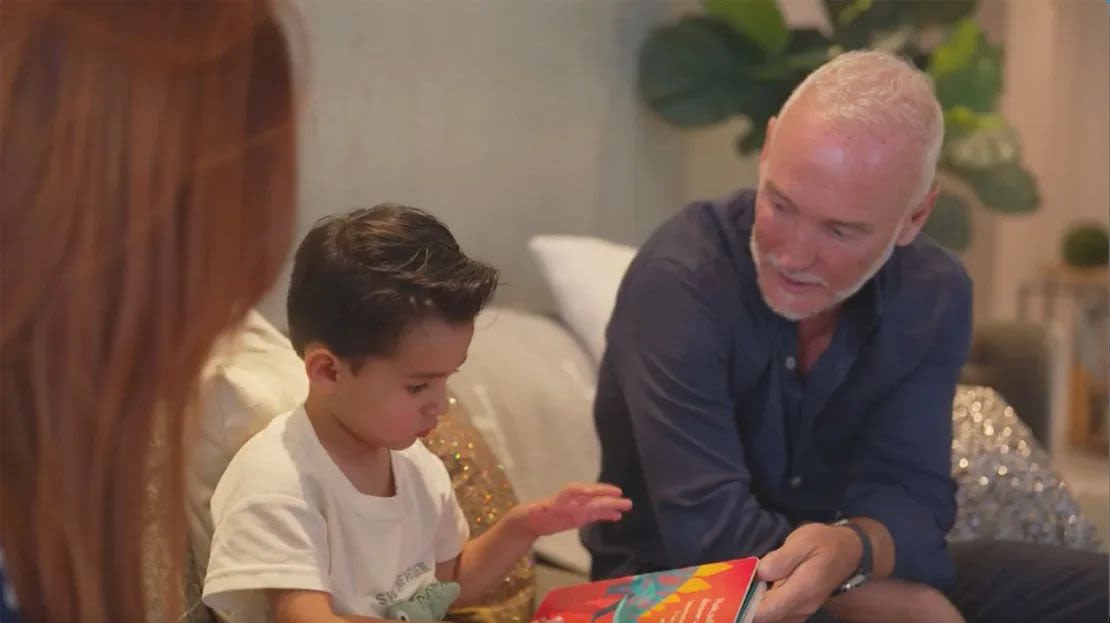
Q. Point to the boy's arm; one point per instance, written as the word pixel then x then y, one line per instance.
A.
pixel 486 560
pixel 301 606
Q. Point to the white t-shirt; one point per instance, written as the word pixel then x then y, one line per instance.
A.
pixel 286 516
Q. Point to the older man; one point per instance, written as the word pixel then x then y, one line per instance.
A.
pixel 780 372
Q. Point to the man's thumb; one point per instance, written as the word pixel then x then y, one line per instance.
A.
pixel 778 564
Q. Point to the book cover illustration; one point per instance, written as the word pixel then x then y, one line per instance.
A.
pixel 723 592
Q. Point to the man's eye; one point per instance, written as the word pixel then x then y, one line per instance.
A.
pixel 416 389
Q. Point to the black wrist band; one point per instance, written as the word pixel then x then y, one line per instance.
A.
pixel 863 570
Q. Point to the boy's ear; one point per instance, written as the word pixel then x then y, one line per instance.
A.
pixel 321 366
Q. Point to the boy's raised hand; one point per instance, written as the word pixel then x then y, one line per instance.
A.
pixel 575 506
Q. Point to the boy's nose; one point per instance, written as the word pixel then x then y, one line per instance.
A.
pixel 440 406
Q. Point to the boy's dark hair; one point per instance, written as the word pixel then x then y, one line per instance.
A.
pixel 361 278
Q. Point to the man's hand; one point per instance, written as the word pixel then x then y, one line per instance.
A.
pixel 812 562
pixel 574 507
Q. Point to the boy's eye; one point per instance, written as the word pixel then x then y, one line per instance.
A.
pixel 416 389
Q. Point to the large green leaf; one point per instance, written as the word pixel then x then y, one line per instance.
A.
pixel 699 71
pixel 1005 188
pixel 759 20
pixel 806 50
pixel 967 69
pixel 950 221
pixel 856 23
pixel 975 141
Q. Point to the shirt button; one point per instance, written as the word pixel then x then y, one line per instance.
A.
pixel 791 363
pixel 796 482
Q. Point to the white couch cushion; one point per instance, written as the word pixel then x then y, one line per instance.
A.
pixel 583 274
pixel 529 388
pixel 253 377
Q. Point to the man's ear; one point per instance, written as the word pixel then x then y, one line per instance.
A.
pixel 322 367
pixel 919 216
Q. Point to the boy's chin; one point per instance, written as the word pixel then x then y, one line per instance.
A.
pixel 403 444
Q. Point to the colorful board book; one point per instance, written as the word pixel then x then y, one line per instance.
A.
pixel 721 592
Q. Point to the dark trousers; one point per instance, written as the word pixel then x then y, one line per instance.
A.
pixel 1017 582
pixel 1006 582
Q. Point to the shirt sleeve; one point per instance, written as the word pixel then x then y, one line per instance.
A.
pixel 671 356
pixel 265 542
pixel 905 455
pixel 453 530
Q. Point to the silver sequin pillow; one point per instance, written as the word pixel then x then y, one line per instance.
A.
pixel 1008 488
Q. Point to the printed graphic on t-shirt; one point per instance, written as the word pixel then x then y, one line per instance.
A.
pixel 402 581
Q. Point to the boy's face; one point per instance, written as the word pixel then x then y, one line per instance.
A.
pixel 391 401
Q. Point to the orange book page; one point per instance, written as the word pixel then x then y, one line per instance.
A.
pixel 710 593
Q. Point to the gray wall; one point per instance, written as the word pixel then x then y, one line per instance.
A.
pixel 504 118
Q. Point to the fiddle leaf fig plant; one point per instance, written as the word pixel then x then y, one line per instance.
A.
pixel 740 59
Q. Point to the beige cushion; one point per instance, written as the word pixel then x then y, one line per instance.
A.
pixel 528 386
pixel 583 274
pixel 252 378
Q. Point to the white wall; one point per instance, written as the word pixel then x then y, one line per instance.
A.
pixel 504 118
pixel 512 118
pixel 1057 94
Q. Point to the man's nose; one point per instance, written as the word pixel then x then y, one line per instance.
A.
pixel 797 252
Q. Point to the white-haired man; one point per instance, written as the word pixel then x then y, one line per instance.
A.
pixel 779 376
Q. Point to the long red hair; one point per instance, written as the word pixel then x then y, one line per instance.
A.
pixel 146 203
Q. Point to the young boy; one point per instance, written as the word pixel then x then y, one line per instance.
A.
pixel 334 511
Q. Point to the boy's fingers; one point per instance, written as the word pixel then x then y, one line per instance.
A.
pixel 610 505
pixel 593 490
pixel 607 489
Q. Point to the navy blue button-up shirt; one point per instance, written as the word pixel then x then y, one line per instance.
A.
pixel 708 424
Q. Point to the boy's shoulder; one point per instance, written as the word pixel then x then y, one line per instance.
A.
pixel 423 464
pixel 275 461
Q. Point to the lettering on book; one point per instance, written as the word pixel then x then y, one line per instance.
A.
pixel 700 615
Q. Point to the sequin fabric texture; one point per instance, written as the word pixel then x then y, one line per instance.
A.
pixel 1008 487
pixel 485 495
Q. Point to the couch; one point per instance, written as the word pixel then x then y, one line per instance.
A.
pixel 525 399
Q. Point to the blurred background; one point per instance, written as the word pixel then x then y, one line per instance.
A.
pixel 602 118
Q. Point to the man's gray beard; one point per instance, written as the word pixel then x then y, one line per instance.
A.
pixel 838 297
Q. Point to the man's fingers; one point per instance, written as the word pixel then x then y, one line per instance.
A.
pixel 793 598
pixel 781 603
pixel 781 563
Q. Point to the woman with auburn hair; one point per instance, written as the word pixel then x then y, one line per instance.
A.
pixel 146 203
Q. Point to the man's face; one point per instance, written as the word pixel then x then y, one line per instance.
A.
pixel 832 202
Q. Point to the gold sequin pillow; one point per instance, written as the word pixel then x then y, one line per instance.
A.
pixel 485 495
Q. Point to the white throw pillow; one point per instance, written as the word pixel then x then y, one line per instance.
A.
pixel 528 386
pixel 583 274
pixel 253 377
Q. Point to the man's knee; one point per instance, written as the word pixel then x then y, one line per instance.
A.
pixel 891 599
pixel 1014 582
